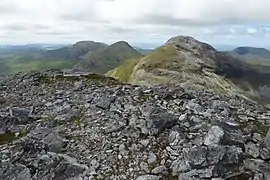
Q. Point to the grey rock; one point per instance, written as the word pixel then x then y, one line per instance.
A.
pixel 176 139
pixel 231 161
pixel 215 155
pixel 232 135
pixel 252 150
pixel 265 153
pixel 14 172
pixel 257 137
pixel 22 115
pixel 196 156
pixel 160 170
pixel 48 137
pixel 158 119
pixel 214 136
pixel 260 166
pixel 194 106
pixel 104 103
pixel 183 117
pixel 179 166
pixel 148 177
pixel 152 158
pixel 69 168
pixel 194 175
pixel 267 140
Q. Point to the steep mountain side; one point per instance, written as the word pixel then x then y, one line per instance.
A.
pixel 107 58
pixel 187 62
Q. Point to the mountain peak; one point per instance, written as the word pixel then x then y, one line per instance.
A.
pixel 181 39
pixel 189 43
pixel 121 43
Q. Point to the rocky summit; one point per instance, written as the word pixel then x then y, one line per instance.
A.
pixel 57 126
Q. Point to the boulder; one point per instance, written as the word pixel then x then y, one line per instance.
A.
pixel 214 136
pixel 46 136
pixel 158 119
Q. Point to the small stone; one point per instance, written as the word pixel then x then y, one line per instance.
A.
pixel 195 119
pixel 144 167
pixel 145 142
pixel 175 138
pixel 148 177
pixel 183 117
pixel 252 150
pixel 257 137
pixel 152 158
pixel 162 170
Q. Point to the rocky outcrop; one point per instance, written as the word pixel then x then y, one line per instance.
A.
pixel 55 126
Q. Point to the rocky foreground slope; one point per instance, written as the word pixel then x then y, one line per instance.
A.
pixel 91 127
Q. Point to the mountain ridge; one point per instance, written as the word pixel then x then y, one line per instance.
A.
pixel 186 61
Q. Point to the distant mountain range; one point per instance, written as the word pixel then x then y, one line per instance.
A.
pixel 246 51
pixel 253 55
pixel 14 59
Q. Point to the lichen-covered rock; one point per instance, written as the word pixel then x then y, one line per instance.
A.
pixel 214 136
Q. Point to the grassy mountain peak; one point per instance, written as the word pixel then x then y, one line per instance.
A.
pixel 108 58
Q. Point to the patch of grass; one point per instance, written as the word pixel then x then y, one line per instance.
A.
pixel 259 127
pixel 123 72
pixel 49 79
pixel 164 57
pixel 24 64
pixel 9 137
pixel 76 120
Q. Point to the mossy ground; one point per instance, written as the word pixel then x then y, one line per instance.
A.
pixel 9 137
pixel 258 126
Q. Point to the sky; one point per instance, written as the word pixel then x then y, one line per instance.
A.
pixel 140 22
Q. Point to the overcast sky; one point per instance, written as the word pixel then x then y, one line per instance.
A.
pixel 236 22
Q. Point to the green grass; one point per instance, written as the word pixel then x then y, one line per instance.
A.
pixel 259 62
pixel 164 57
pixel 123 72
pixel 26 64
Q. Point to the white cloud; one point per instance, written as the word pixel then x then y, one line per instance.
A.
pixel 67 21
